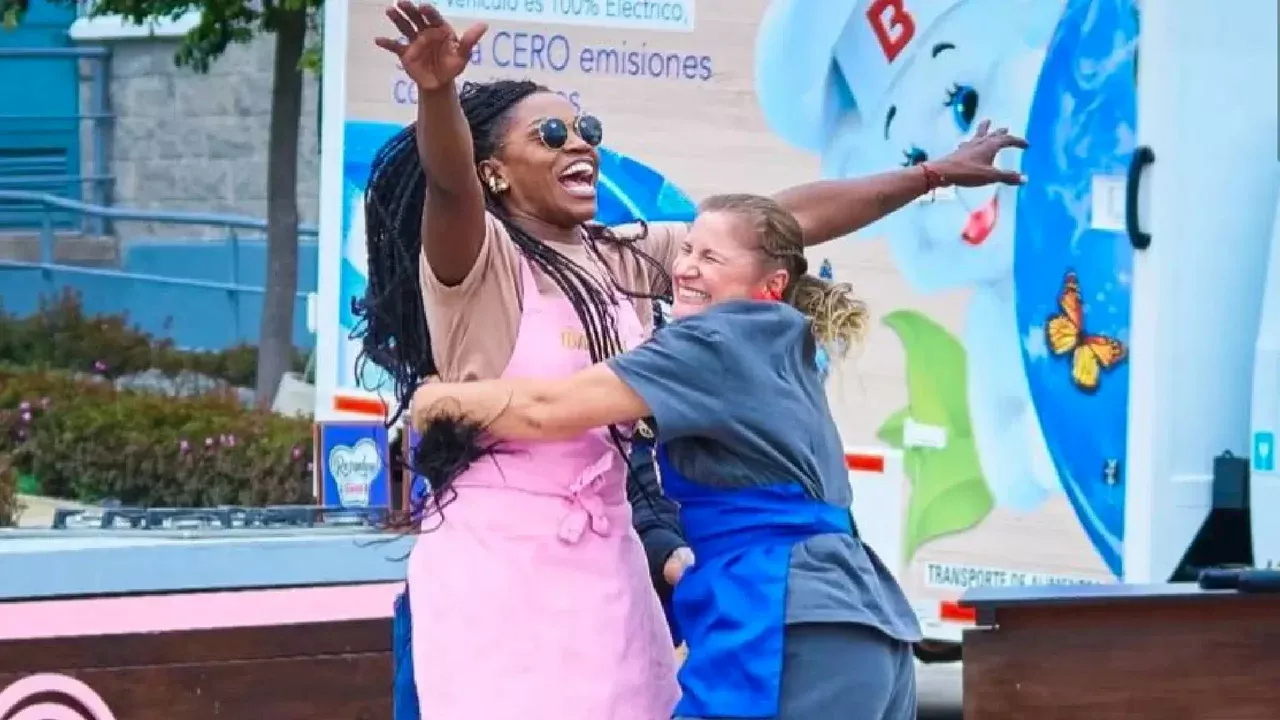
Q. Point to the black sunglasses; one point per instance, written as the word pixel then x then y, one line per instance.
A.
pixel 554 132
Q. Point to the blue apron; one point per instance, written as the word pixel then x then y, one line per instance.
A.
pixel 404 692
pixel 731 605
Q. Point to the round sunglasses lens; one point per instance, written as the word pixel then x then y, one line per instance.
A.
pixel 554 133
pixel 589 129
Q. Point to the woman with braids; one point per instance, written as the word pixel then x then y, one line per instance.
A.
pixel 484 263
pixel 787 614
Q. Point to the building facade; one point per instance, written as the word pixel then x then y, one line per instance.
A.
pixel 186 141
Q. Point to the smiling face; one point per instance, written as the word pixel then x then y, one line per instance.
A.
pixel 963 69
pixel 723 256
pixel 554 185
pixel 936 104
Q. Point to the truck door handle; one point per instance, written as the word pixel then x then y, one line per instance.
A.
pixel 1142 157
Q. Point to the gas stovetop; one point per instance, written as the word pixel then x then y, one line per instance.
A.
pixel 218 518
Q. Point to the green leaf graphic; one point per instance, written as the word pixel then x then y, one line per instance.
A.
pixel 890 432
pixel 936 378
pixel 948 491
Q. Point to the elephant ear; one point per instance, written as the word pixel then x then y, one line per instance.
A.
pixel 797 86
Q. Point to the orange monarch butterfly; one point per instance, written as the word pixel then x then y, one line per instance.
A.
pixel 1090 354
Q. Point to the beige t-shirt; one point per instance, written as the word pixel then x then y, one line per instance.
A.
pixel 474 323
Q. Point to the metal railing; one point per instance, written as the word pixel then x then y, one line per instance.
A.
pixel 232 225
pixel 93 175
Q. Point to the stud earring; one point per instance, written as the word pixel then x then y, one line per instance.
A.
pixel 497 185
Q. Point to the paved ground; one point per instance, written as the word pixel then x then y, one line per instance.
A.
pixel 939 688
pixel 37 512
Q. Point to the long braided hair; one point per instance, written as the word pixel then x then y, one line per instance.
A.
pixel 392 320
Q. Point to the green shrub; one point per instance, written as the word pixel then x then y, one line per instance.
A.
pixel 61 336
pixel 85 440
pixel 8 491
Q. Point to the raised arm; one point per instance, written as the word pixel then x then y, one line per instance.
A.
pixel 829 209
pixel 433 56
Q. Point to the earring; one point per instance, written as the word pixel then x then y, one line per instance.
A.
pixel 497 185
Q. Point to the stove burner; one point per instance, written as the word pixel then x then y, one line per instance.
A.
pixel 217 518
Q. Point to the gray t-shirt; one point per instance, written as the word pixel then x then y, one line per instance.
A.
pixel 738 401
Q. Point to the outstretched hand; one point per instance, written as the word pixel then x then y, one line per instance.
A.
pixel 973 163
pixel 430 52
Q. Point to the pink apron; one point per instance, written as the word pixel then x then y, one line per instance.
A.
pixel 531 597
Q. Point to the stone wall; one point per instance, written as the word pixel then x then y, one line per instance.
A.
pixel 182 141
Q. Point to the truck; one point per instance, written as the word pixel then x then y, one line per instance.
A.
pixel 1075 380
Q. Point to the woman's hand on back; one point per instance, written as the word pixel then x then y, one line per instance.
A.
pixel 430 52
pixel 674 568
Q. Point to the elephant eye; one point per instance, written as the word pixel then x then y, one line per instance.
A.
pixel 963 101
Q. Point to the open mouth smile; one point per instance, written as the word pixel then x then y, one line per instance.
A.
pixel 579 179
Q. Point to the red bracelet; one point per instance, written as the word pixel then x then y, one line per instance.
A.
pixel 932 178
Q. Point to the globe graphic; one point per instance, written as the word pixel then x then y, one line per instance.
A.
pixel 1081 127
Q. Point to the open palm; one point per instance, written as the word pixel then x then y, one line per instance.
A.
pixel 430 52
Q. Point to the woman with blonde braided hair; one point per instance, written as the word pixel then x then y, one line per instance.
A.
pixel 787 614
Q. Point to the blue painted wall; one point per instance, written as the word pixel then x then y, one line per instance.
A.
pixel 192 317
pixel 39 105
